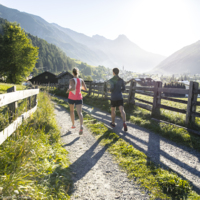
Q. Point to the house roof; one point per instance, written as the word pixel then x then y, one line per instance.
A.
pixel 63 74
pixel 42 74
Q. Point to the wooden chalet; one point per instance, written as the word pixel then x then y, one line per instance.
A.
pixel 44 78
pixel 64 77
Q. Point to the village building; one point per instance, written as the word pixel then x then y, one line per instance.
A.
pixel 64 77
pixel 44 78
pixel 142 81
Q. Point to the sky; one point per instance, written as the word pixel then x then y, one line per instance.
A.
pixel 158 26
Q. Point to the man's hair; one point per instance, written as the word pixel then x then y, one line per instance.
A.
pixel 116 71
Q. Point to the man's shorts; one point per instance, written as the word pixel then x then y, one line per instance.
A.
pixel 117 103
pixel 76 102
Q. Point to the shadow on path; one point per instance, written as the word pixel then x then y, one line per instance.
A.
pixel 150 144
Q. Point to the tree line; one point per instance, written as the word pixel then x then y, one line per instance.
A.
pixel 22 54
pixel 91 73
pixel 50 57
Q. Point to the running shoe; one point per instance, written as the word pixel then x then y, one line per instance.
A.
pixel 73 126
pixel 81 131
pixel 113 125
pixel 125 126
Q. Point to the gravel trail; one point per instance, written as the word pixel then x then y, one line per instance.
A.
pixel 183 160
pixel 95 174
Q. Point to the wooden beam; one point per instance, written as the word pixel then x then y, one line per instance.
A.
pixel 143 88
pixel 8 98
pixel 156 97
pixel 175 100
pixel 195 114
pixel 144 106
pixel 13 127
pixel 173 90
pixel 12 106
pixel 198 91
pixel 144 93
pixel 143 101
pixel 172 108
pixel 130 92
pixel 192 98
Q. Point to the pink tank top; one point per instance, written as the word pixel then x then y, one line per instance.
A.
pixel 76 94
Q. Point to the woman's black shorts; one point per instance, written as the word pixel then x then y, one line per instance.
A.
pixel 117 103
pixel 76 102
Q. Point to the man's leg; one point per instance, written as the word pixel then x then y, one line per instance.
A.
pixel 123 114
pixel 113 114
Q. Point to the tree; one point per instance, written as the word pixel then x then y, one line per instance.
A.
pixel 17 54
pixel 88 78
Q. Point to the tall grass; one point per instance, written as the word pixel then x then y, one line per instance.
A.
pixel 34 164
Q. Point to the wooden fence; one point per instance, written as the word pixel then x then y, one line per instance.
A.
pixel 157 93
pixel 10 99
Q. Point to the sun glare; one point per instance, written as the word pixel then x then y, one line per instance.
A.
pixel 158 22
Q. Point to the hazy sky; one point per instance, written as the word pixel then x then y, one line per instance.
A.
pixel 158 26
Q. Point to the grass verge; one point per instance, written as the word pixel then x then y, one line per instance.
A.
pixel 162 184
pixel 34 164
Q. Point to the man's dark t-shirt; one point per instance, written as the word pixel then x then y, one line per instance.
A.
pixel 117 86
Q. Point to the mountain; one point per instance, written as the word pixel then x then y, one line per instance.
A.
pixel 185 60
pixel 95 50
pixel 50 57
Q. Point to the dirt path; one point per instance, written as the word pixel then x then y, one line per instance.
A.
pixel 183 160
pixel 95 174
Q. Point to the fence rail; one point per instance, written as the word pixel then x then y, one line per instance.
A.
pixel 157 92
pixel 11 99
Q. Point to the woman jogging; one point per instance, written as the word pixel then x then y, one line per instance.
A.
pixel 75 97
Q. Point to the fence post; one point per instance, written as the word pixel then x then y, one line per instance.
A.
pixel 156 97
pixel 192 99
pixel 29 102
pixel 35 98
pixel 90 87
pixel 105 90
pixel 12 106
pixel 130 92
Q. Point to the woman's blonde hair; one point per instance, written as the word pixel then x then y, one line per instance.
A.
pixel 75 71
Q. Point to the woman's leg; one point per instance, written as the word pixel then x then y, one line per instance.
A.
pixel 71 106
pixel 79 112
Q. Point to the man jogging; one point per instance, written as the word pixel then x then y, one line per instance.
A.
pixel 116 87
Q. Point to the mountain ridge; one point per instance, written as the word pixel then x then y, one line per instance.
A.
pixel 110 53
pixel 185 60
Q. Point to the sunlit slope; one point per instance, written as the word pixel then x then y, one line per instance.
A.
pixel 95 50
pixel 186 60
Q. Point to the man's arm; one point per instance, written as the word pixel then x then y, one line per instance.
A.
pixel 123 86
pixel 112 86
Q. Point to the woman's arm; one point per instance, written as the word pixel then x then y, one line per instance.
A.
pixel 84 87
pixel 71 85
